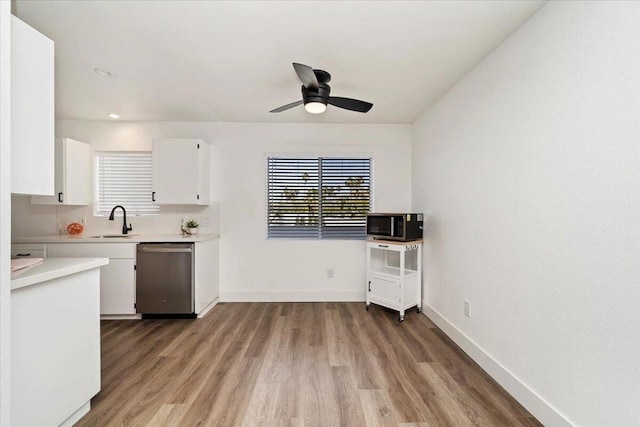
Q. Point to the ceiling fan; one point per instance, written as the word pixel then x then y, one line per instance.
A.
pixel 315 93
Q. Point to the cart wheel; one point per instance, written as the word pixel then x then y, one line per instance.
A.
pixel 367 307
pixel 401 319
pixel 419 309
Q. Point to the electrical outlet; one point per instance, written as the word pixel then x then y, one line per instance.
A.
pixel 466 309
pixel 206 221
pixel 330 273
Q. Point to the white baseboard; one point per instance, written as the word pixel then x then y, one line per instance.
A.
pixel 540 409
pixel 120 316
pixel 292 296
pixel 208 308
pixel 75 417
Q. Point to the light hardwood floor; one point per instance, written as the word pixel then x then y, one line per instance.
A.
pixel 317 364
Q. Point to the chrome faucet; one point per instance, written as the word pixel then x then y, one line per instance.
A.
pixel 125 229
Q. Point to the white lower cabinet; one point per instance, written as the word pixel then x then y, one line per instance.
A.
pixel 206 268
pixel 117 279
pixel 117 287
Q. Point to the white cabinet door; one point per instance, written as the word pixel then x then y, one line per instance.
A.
pixel 207 281
pixel 72 174
pixel 204 173
pixel 384 291
pixel 117 287
pixel 58 189
pixel 77 173
pixel 32 111
pixel 181 171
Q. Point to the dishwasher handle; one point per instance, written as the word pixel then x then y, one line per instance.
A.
pixel 165 250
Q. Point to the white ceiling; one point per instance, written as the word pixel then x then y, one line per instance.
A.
pixel 231 60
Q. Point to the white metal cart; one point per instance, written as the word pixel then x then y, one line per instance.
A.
pixel 393 284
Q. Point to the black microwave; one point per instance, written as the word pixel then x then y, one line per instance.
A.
pixel 395 226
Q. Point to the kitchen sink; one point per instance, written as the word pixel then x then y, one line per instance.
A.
pixel 112 236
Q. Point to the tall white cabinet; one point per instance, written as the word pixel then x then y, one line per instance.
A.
pixel 32 111
pixel 181 171
pixel 72 174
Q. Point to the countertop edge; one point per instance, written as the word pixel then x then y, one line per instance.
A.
pixel 170 238
pixel 54 268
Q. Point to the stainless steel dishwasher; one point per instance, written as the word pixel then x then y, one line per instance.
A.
pixel 164 280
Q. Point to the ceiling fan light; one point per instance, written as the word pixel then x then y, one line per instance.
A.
pixel 315 107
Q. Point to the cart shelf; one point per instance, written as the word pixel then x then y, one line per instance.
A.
pixel 392 272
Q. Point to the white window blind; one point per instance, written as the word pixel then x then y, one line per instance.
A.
pixel 321 197
pixel 124 178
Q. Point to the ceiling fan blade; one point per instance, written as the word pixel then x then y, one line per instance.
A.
pixel 286 107
pixel 350 104
pixel 306 76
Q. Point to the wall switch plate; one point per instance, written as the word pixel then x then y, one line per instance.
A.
pixel 330 273
pixel 466 309
pixel 206 221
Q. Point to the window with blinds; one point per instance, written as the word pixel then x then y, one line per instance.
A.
pixel 318 197
pixel 124 178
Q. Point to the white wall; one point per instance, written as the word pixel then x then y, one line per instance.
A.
pixel 252 267
pixel 258 269
pixel 5 207
pixel 529 173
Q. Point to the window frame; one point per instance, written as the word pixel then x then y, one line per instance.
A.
pixel 131 211
pixel 319 232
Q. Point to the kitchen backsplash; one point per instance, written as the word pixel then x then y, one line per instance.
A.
pixel 38 220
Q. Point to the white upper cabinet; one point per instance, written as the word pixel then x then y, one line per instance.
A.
pixel 32 110
pixel 181 171
pixel 72 174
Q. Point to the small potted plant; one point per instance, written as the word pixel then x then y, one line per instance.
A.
pixel 192 226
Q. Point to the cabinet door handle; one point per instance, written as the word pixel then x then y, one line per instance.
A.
pixel 27 254
pixel 153 196
pixel 383 246
pixel 60 197
pixel 369 285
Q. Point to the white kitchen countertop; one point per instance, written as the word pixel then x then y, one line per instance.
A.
pixel 130 238
pixel 53 268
